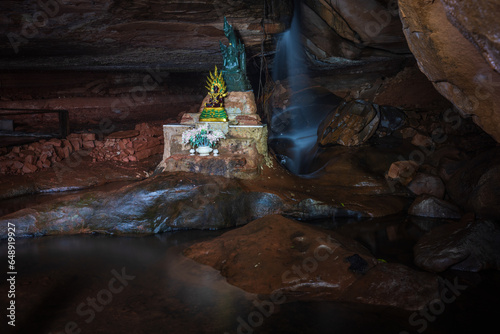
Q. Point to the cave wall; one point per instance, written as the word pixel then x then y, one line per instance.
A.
pixel 455 45
pixel 119 60
pixel 181 35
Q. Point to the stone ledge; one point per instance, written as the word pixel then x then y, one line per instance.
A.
pixel 227 165
pixel 247 141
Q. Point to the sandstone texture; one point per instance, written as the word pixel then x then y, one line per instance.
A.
pixel 279 257
pixel 454 44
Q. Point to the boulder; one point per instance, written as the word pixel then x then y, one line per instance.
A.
pixel 403 171
pixel 423 183
pixel 466 245
pixel 352 124
pixel 432 207
pixel 278 256
pixel 455 45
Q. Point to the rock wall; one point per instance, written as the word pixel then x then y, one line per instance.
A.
pixel 180 35
pixel 455 46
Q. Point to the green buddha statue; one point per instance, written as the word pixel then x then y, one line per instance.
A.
pixel 234 70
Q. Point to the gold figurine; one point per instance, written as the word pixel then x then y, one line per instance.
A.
pixel 214 109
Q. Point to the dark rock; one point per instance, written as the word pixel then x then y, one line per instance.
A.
pixel 159 204
pixel 391 119
pixel 467 245
pixel 278 256
pixel 351 124
pixel 358 264
pixel 476 184
pixel 427 184
pixel 432 207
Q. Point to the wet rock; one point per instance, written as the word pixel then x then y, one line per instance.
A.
pixel 278 256
pixel 352 124
pixel 428 184
pixel 432 207
pixel 466 245
pixel 159 204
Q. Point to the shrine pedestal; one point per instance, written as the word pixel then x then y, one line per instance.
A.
pixel 242 154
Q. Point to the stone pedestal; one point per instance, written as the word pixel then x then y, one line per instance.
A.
pixel 241 155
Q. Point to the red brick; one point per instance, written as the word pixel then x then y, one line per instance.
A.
pixel 29 168
pixel 88 144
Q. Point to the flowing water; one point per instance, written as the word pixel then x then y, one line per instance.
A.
pixel 298 124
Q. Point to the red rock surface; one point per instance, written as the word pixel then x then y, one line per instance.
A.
pixel 278 256
pixel 460 68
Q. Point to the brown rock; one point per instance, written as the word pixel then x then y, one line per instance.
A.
pixel 266 255
pixel 403 170
pixel 55 142
pixel 427 184
pixel 88 136
pixel 17 165
pixel 143 154
pixel 458 61
pixel 29 168
pixel 29 159
pixel 76 143
pixel 422 140
pixel 88 144
pixel 351 124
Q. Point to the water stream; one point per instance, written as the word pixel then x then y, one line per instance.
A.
pixel 298 124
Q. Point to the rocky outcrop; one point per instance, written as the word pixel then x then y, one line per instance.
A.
pixel 163 203
pixel 278 256
pixel 353 29
pixel 352 124
pixel 460 62
pixel 468 246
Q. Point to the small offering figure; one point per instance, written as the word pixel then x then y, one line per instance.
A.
pixel 214 109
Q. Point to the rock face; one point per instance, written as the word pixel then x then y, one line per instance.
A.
pixel 462 62
pixel 120 33
pixel 353 29
pixel 280 257
pixel 158 204
pixel 351 124
pixel 468 246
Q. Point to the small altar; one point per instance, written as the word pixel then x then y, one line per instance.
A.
pixel 227 121
pixel 242 154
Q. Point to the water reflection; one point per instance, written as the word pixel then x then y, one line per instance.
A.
pixel 167 292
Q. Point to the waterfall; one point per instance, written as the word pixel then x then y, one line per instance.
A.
pixel 295 126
